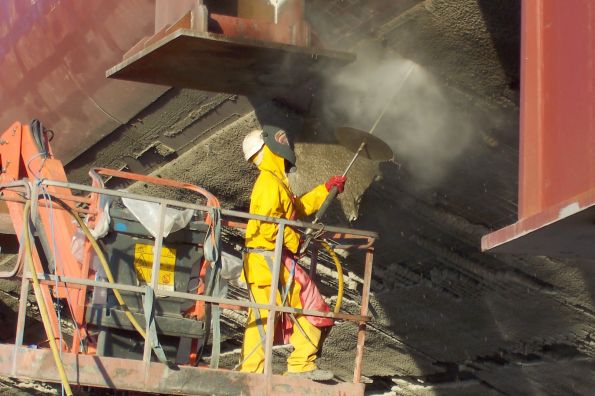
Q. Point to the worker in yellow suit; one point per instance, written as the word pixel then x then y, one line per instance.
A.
pixel 270 151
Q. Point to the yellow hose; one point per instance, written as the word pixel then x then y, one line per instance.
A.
pixel 42 305
pixel 105 266
pixel 335 258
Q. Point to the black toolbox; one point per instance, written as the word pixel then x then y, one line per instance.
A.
pixel 128 248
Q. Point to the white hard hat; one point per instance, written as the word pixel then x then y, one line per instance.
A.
pixel 252 144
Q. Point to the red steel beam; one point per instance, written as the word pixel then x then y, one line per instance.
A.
pixel 557 155
pixel 557 124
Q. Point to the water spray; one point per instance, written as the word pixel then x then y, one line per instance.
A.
pixel 362 143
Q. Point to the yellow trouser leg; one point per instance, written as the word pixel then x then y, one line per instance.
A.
pixel 252 348
pixel 305 345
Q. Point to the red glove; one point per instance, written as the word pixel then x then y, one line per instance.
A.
pixel 336 181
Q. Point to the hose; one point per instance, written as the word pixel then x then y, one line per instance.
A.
pixel 104 264
pixel 335 258
pixel 37 130
pixel 42 304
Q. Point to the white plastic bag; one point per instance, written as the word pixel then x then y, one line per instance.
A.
pixel 147 213
pixel 102 224
pixel 231 266
pixel 77 245
pixel 231 269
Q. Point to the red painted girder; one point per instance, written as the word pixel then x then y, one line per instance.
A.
pixel 564 230
pixel 557 131
pixel 557 153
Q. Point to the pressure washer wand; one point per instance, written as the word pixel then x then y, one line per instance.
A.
pixel 333 192
pixel 331 196
pixel 359 150
pixel 327 202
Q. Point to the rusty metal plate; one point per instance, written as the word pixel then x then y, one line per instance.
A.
pixel 375 149
pixel 50 70
pixel 135 375
pixel 213 62
pixel 566 230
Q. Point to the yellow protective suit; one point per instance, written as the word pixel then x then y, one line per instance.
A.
pixel 271 197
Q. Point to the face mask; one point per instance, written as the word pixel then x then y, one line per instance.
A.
pixel 289 168
pixel 258 158
pixel 293 179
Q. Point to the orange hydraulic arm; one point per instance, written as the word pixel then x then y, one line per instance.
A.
pixel 25 153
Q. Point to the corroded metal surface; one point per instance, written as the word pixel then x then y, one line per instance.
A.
pixel 213 62
pixel 53 55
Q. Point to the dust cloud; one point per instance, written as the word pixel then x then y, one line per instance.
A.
pixel 426 131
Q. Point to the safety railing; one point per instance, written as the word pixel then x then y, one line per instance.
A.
pixel 357 239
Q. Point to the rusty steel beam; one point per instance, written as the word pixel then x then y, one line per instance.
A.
pixel 134 375
pixel 250 48
pixel 557 132
pixel 213 62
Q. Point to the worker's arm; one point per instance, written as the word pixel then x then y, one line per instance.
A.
pixel 310 202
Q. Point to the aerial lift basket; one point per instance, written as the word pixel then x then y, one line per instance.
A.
pixel 129 248
pixel 107 352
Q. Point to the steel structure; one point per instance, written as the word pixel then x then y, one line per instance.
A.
pixel 54 54
pixel 252 48
pixel 557 133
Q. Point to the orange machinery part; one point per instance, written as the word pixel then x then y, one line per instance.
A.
pixel 21 158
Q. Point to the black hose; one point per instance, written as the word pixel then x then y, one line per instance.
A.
pixel 37 130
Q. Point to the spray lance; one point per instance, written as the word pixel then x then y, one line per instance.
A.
pixel 363 144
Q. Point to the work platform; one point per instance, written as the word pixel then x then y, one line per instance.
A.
pixel 42 211
pixel 153 377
